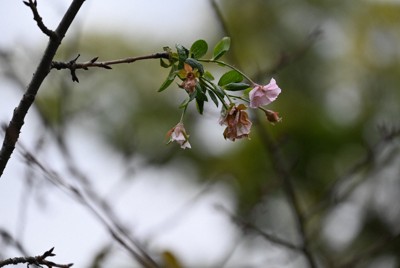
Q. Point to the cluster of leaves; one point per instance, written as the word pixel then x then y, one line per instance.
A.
pixel 232 80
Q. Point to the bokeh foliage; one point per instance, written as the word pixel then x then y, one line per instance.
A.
pixel 338 90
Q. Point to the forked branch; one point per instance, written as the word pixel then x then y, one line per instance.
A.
pixel 17 121
pixel 38 260
pixel 39 20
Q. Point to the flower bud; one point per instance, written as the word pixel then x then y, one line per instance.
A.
pixel 272 116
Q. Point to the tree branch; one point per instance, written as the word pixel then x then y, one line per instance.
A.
pixel 38 260
pixel 99 208
pixel 72 65
pixel 250 226
pixel 283 171
pixel 8 239
pixel 371 251
pixel 14 127
pixel 330 196
pixel 38 19
pixel 287 58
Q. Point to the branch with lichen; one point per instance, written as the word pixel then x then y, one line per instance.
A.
pixel 38 260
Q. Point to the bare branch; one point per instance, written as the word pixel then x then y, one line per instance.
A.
pixel 8 239
pixel 72 65
pixel 286 59
pixel 283 171
pixel 38 260
pixel 99 208
pixel 250 226
pixel 371 251
pixel 14 127
pixel 225 29
pixel 38 19
pixel 330 197
pixel 220 18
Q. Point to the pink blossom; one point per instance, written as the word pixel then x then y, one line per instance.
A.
pixel 237 122
pixel 263 95
pixel 179 135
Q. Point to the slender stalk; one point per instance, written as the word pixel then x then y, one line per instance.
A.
pixel 231 67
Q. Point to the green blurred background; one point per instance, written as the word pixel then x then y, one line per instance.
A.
pixel 337 63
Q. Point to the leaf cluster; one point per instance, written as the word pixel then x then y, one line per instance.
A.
pixel 231 80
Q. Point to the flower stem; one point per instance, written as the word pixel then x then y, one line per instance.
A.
pixel 230 66
pixel 210 87
pixel 183 113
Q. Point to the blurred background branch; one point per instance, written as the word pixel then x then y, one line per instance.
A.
pixel 318 189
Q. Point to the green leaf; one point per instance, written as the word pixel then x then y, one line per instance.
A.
pixel 221 48
pixel 200 106
pixel 230 77
pixel 165 64
pixel 166 84
pixel 185 103
pixel 200 92
pixel 200 97
pixel 170 260
pixel 195 65
pixel 207 75
pixel 213 97
pixel 236 86
pixel 218 90
pixel 169 80
pixel 183 54
pixel 167 49
pixel 199 49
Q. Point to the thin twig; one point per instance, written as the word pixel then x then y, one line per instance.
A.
pixel 250 226
pixel 225 29
pixel 38 19
pixel 17 121
pixel 282 170
pixel 10 240
pixel 373 250
pixel 72 65
pixel 286 59
pixel 220 17
pixel 120 232
pixel 387 136
pixel 38 260
pixel 109 221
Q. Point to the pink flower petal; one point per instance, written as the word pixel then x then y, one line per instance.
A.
pixel 263 95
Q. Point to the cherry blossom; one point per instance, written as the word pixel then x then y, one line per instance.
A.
pixel 236 121
pixel 262 95
pixel 179 135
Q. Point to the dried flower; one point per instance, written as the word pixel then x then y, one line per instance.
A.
pixel 272 116
pixel 263 95
pixel 236 121
pixel 179 135
pixel 189 78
